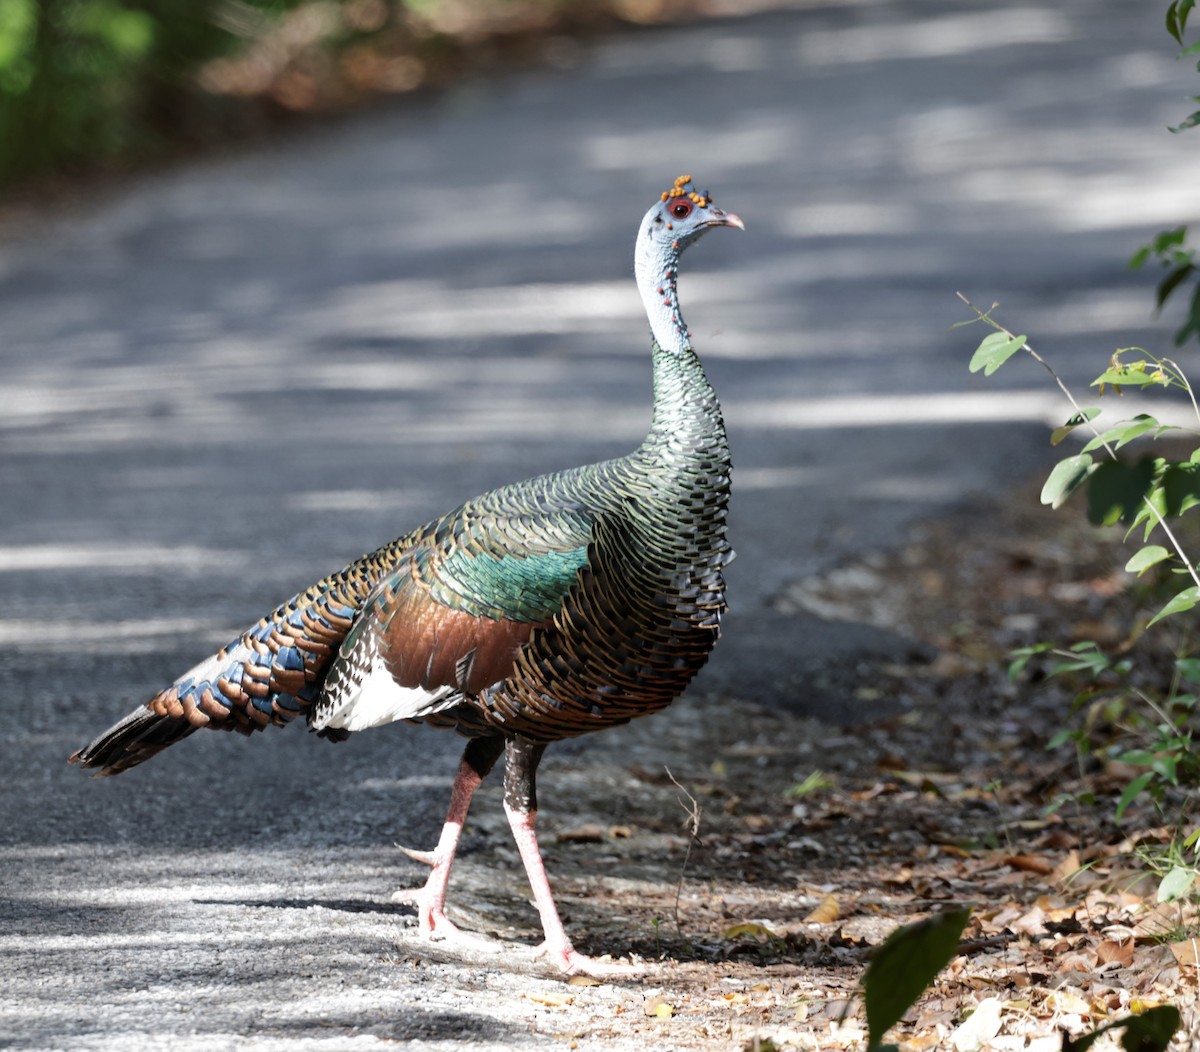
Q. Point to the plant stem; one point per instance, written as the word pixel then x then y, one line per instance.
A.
pixel 694 814
pixel 1187 386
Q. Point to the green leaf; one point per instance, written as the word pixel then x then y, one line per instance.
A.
pixel 1188 669
pixel 1191 325
pixel 1066 477
pixel 1125 378
pixel 1061 738
pixel 1021 656
pixel 1149 1032
pixel 1168 239
pixel 1189 121
pixel 1084 416
pixel 1132 791
pixel 1103 439
pixel 1125 432
pixel 1181 487
pixel 1156 499
pixel 1173 24
pixel 907 962
pixel 1152 1030
pixel 1115 491
pixel 1149 556
pixel 1176 884
pixel 1140 424
pixel 1183 602
pixel 994 351
pixel 1172 281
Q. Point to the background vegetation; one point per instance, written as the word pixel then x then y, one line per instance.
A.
pixel 94 83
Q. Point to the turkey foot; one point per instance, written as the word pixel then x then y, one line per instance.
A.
pixel 435 926
pixel 430 899
pixel 556 947
pixel 572 962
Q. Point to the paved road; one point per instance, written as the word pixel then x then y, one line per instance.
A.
pixel 223 381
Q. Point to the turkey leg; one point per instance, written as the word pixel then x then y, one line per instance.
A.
pixel 520 804
pixel 478 759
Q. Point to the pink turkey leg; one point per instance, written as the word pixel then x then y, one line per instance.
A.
pixel 431 899
pixel 556 945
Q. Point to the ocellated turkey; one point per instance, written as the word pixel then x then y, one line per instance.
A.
pixel 560 605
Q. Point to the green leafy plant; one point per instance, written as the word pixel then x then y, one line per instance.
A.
pixel 84 80
pixel 1178 870
pixel 813 782
pixel 1146 493
pixel 1134 719
pixel 907 962
pixel 1169 247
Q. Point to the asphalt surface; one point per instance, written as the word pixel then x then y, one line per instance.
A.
pixel 223 381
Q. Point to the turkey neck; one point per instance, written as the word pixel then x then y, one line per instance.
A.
pixel 687 436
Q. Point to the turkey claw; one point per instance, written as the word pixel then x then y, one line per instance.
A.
pixel 430 858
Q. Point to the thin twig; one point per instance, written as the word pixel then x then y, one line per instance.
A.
pixel 694 814
pixel 1153 705
pixel 984 316
pixel 1186 385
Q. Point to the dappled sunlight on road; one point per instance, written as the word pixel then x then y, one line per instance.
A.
pixel 246 373
pixel 939 36
pixel 227 378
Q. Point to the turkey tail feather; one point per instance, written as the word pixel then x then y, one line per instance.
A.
pixel 134 740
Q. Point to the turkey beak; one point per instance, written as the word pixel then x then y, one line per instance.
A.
pixel 719 218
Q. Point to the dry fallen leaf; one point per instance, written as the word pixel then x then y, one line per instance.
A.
pixel 551 999
pixel 583 980
pixel 1031 923
pixel 756 931
pixel 825 911
pixel 1075 962
pixel 1157 922
pixel 1110 950
pixel 924 1040
pixel 1187 953
pixel 1068 1001
pixel 1029 863
pixel 1066 869
pixel 588 833
pixel 979 1027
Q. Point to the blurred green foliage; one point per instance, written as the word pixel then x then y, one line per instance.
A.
pixel 1180 261
pixel 89 83
pixel 85 80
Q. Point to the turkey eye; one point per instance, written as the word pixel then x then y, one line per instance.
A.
pixel 681 209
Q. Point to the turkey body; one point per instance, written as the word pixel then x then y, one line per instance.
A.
pixel 541 610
